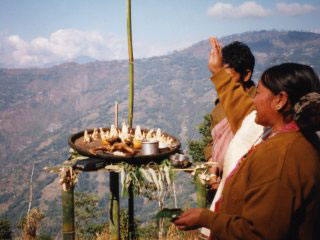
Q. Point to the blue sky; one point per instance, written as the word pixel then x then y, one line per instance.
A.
pixel 36 33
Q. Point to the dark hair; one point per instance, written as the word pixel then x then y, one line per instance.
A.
pixel 302 85
pixel 238 56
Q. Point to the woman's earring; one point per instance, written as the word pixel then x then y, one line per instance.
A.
pixel 278 107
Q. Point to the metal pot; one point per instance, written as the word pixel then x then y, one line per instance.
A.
pixel 179 160
pixel 150 147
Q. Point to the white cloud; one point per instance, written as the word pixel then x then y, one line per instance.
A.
pixel 61 46
pixel 68 44
pixel 249 9
pixel 293 9
pixel 316 30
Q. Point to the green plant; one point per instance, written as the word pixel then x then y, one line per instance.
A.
pixel 5 229
pixel 196 146
pixel 44 236
pixel 87 214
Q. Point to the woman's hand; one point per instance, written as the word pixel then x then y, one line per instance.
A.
pixel 189 220
pixel 215 56
pixel 216 171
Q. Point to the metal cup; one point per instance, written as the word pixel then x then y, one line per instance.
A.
pixel 179 160
pixel 150 148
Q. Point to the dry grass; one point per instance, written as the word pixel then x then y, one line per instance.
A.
pixel 30 224
pixel 172 234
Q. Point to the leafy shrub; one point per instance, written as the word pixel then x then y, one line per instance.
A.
pixel 5 229
pixel 196 146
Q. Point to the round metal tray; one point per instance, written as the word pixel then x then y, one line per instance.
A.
pixel 76 142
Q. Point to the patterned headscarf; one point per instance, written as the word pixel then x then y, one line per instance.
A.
pixel 307 111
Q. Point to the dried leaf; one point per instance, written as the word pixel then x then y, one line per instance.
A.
pixel 154 177
pixel 166 172
pixel 146 175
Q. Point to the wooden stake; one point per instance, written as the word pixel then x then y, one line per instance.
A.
pixel 116 114
pixel 114 208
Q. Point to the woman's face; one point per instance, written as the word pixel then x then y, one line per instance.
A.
pixel 265 103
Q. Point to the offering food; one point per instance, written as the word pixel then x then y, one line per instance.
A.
pixel 124 141
pixel 171 213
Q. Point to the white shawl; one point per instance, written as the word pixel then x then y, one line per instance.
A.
pixel 241 143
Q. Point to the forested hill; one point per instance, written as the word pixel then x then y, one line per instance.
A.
pixel 40 108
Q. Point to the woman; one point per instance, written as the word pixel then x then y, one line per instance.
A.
pixel 274 190
pixel 239 57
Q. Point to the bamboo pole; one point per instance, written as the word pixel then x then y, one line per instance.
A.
pixel 130 114
pixel 131 68
pixel 114 203
pixel 68 214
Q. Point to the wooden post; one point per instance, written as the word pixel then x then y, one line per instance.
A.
pixel 201 193
pixel 114 214
pixel 68 214
pixel 131 230
pixel 116 114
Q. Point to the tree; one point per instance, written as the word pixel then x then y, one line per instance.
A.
pixel 5 229
pixel 87 214
pixel 196 146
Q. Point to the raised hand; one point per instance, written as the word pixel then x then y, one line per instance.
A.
pixel 215 56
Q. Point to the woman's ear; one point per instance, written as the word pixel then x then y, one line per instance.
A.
pixel 281 100
pixel 247 77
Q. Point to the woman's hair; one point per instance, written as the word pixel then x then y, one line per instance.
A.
pixel 239 57
pixel 302 85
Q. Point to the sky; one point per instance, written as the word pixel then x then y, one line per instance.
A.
pixel 39 33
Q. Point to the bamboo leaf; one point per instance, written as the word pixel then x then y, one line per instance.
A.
pixel 154 177
pixel 124 189
pixel 160 181
pixel 146 175
pixel 166 172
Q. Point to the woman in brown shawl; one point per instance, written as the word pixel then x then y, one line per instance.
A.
pixel 274 190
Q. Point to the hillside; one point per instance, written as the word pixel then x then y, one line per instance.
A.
pixel 40 108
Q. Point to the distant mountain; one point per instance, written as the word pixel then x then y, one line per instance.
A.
pixel 84 59
pixel 40 108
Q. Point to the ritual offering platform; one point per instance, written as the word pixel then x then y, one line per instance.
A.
pixel 130 145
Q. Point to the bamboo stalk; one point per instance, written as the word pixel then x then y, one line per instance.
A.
pixel 114 204
pixel 130 114
pixel 68 214
pixel 131 68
